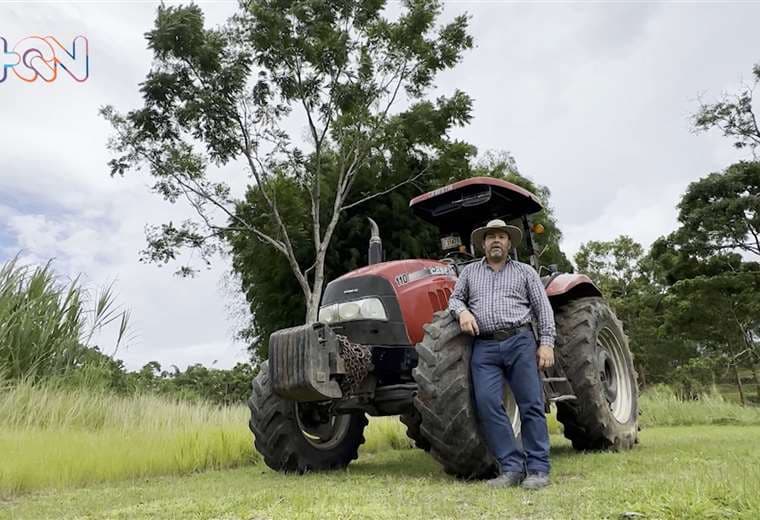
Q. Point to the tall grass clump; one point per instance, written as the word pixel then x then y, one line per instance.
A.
pixel 660 407
pixel 45 325
pixel 52 436
pixel 385 433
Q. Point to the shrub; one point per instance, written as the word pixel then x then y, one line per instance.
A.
pixel 45 325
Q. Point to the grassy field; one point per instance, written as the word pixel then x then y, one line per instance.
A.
pixel 51 437
pixel 676 472
pixel 92 454
pixel 659 407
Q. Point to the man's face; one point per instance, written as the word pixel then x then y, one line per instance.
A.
pixel 496 245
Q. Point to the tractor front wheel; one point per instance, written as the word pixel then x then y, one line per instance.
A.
pixel 301 437
pixel 593 351
pixel 413 423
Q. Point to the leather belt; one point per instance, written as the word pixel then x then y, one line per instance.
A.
pixel 503 334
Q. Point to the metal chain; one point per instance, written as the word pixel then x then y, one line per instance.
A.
pixel 357 360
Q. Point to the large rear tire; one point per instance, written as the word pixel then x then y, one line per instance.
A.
pixel 445 402
pixel 593 351
pixel 295 437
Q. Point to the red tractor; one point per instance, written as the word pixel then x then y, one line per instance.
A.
pixel 385 345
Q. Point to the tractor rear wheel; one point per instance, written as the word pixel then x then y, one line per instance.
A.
pixel 593 352
pixel 301 437
pixel 445 401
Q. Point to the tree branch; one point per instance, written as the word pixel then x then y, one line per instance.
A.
pixel 384 192
pixel 289 252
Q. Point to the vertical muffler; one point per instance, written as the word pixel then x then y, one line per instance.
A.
pixel 375 254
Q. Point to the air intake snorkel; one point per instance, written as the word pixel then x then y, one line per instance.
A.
pixel 375 254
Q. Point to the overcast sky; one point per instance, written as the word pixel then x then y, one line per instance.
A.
pixel 592 99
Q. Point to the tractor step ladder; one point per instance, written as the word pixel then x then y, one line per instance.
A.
pixel 560 398
pixel 557 388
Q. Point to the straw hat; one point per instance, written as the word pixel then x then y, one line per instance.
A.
pixel 514 232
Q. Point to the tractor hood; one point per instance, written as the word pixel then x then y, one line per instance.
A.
pixel 409 290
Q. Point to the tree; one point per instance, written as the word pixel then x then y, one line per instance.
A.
pixel 710 301
pixel 624 275
pixel 705 289
pixel 721 212
pixel 613 266
pixel 719 313
pixel 273 294
pixel 231 95
pixel 733 116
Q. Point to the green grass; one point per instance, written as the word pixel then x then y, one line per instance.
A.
pixel 731 393
pixel 659 407
pixel 53 437
pixel 695 472
pixel 54 407
pixel 384 433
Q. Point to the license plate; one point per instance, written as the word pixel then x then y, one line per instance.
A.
pixel 450 242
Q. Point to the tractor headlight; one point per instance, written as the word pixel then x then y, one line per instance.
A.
pixel 366 309
pixel 328 314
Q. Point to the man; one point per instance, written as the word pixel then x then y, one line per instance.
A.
pixel 494 300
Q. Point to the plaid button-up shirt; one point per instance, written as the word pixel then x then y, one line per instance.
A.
pixel 504 299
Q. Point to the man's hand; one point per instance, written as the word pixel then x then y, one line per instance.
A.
pixel 468 323
pixel 545 357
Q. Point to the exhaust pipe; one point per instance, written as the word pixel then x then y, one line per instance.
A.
pixel 375 254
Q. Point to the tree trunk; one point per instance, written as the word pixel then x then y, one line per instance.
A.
pixel 739 385
pixel 642 376
pixel 312 304
pixel 755 370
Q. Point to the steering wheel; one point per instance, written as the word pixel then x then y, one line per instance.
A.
pixel 454 256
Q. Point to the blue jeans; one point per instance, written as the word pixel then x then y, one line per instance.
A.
pixel 514 361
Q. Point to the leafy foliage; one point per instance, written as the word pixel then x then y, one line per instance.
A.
pixel 196 383
pixel 614 266
pixel 733 116
pixel 721 212
pixel 45 333
pixel 711 289
pixel 623 273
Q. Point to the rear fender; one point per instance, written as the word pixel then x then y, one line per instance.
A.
pixel 566 287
